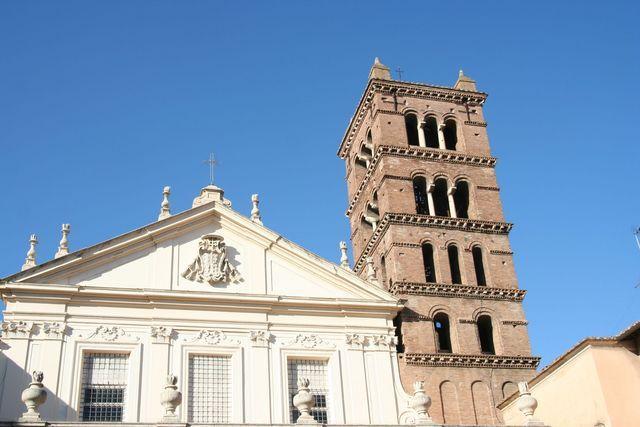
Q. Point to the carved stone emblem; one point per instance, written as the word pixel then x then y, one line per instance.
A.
pixel 211 265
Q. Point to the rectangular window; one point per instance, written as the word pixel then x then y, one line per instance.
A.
pixel 209 389
pixel 104 386
pixel 316 372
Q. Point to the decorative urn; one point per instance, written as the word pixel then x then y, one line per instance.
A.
pixel 303 401
pixel 34 396
pixel 170 398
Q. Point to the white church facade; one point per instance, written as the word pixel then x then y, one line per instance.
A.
pixel 237 313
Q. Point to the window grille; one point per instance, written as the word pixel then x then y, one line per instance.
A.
pixel 104 386
pixel 209 389
pixel 316 372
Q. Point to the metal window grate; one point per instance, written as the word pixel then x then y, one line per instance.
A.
pixel 316 372
pixel 209 389
pixel 104 386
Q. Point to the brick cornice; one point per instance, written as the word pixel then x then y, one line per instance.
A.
pixel 471 360
pixel 463 224
pixel 457 291
pixel 398 88
pixel 430 154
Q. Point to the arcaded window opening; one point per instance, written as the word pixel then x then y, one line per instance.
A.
pixel 485 333
pixel 450 133
pixel 440 198
pixel 478 265
pixel 411 123
pixel 397 322
pixel 431 132
pixel 383 270
pixel 454 264
pixel 443 332
pixel 420 194
pixel 429 264
pixel 461 199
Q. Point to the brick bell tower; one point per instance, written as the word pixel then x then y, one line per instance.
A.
pixel 426 217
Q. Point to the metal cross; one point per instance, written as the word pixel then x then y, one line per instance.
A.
pixel 399 71
pixel 212 162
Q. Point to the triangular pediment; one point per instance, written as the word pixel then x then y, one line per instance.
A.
pixel 209 248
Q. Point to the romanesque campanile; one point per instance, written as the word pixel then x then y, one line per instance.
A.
pixel 426 219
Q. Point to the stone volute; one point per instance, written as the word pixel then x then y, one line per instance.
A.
pixel 303 401
pixel 170 398
pixel 420 402
pixel 527 404
pixel 33 396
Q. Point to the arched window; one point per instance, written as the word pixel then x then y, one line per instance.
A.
pixel 450 132
pixel 420 194
pixel 431 132
pixel 397 322
pixel 443 333
pixel 461 199
pixel 478 265
pixel 370 139
pixel 440 198
pixel 383 270
pixel 411 123
pixel 454 264
pixel 485 333
pixel 366 224
pixel 429 264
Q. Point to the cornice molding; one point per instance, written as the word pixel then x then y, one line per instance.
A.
pixel 457 291
pixel 471 360
pixel 429 154
pixel 398 88
pixel 462 224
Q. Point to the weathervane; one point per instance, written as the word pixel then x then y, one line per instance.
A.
pixel 212 162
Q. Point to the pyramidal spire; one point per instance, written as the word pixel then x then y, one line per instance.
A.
pixel 465 82
pixel 379 71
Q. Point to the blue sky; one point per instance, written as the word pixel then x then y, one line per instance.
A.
pixel 102 104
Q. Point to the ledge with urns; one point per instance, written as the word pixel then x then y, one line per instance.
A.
pixel 456 291
pixel 470 360
pixel 432 154
pixel 462 224
pixel 398 88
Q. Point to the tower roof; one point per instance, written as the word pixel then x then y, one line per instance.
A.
pixel 379 71
pixel 465 82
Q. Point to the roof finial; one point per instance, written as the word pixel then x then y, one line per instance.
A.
pixel 379 71
pixel 30 260
pixel 165 211
pixel 460 73
pixel 344 258
pixel 255 211
pixel 371 271
pixel 63 247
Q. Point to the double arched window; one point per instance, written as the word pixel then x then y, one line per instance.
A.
pixel 429 134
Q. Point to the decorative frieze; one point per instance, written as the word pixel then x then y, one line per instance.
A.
pixel 456 291
pixel 474 123
pixel 432 154
pixel 17 329
pixel 384 341
pixel 462 224
pixel 471 360
pixel 309 341
pixel 54 329
pixel 500 252
pixel 260 338
pixel 215 337
pixel 487 188
pixel 161 334
pixel 356 340
pixel 110 333
pixel 515 322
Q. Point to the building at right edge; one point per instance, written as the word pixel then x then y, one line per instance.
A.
pixel 427 222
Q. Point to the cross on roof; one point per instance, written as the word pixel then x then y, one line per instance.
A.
pixel 212 162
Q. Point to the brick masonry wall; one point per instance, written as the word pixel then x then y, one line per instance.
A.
pixel 462 392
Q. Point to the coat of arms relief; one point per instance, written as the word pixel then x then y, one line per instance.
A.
pixel 211 265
